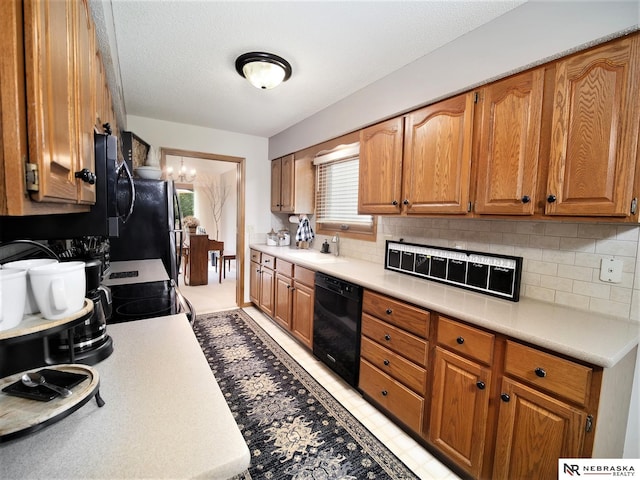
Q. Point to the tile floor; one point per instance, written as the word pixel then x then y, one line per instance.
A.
pixel 216 297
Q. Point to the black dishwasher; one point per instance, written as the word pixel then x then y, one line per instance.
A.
pixel 336 326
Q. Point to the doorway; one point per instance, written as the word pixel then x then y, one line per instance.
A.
pixel 239 243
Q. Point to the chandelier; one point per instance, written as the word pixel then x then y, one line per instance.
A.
pixel 182 175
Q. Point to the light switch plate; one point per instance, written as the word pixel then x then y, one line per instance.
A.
pixel 611 270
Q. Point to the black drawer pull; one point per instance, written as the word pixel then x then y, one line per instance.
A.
pixel 460 340
pixel 505 397
pixel 540 372
pixel 387 337
pixel 480 385
pixel 386 362
pixel 389 311
pixel 384 393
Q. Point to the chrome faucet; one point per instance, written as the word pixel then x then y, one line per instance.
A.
pixel 336 240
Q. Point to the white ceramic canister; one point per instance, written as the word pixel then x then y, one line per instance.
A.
pixel 59 288
pixel 31 306
pixel 13 291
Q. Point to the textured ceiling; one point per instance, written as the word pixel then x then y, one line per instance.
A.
pixel 177 57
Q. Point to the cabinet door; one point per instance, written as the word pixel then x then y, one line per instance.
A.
pixel 437 157
pixel 380 177
pixel 510 121
pixel 266 290
pixel 595 131
pixel 302 322
pixel 459 407
pixel 534 430
pixel 276 183
pixel 283 300
pixel 85 100
pixel 287 184
pixel 49 56
pixel 254 283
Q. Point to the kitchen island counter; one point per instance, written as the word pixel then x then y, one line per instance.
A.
pixel 164 417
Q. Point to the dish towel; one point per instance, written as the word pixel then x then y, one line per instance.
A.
pixel 305 232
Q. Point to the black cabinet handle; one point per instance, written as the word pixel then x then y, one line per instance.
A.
pixel 386 362
pixel 405 201
pixel 394 203
pixel 480 385
pixel 505 397
pixel 389 311
pixel 387 337
pixel 86 176
pixel 460 340
pixel 540 372
pixel 551 198
pixel 384 393
pixel 526 199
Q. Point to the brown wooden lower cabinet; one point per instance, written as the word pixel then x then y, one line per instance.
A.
pixel 302 317
pixel 459 409
pixel 534 430
pixel 404 404
pixel 285 292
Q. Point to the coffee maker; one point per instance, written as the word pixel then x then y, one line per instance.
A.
pixel 90 341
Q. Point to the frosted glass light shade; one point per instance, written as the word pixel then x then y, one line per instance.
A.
pixel 263 75
pixel 263 70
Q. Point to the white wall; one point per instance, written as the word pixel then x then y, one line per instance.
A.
pixel 528 34
pixel 160 133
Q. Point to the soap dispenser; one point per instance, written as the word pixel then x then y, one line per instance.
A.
pixel 325 247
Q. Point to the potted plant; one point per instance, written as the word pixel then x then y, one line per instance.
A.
pixel 191 223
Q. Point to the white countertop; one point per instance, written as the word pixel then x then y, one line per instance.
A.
pixel 164 416
pixel 148 271
pixel 592 337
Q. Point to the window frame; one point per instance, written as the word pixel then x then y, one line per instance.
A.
pixel 352 230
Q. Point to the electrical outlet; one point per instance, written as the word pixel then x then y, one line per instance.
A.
pixel 611 270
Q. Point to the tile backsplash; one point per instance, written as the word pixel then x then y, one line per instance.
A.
pixel 561 261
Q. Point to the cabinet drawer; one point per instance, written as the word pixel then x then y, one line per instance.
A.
pixel 554 374
pixel 304 275
pixel 412 319
pixel 268 261
pixel 284 267
pixel 255 256
pixel 396 398
pixel 469 341
pixel 406 372
pixel 396 339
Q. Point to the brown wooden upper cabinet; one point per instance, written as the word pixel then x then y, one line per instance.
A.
pixel 282 186
pixel 509 122
pixel 380 177
pixel 594 131
pixel 419 164
pixel 292 185
pixel 48 94
pixel 556 141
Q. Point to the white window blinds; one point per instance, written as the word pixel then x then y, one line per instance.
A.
pixel 337 191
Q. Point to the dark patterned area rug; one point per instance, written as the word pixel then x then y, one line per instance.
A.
pixel 294 428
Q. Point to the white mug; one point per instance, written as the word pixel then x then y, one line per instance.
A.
pixel 59 288
pixel 13 291
pixel 31 306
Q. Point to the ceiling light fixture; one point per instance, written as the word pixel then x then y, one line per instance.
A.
pixel 263 70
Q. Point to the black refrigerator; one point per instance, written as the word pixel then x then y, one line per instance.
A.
pixel 154 228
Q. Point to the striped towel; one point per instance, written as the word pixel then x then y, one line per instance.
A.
pixel 305 232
